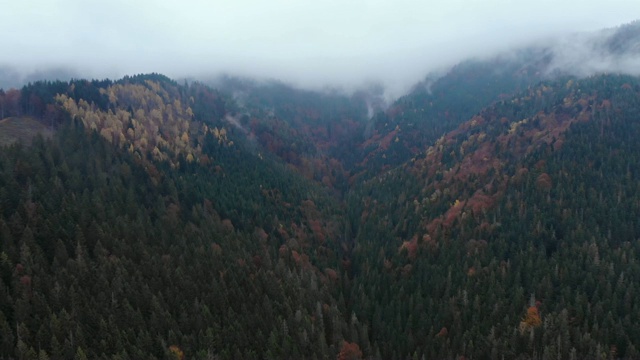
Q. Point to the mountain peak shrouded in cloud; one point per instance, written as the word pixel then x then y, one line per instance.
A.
pixel 490 212
pixel 625 38
pixel 311 45
pixel 614 50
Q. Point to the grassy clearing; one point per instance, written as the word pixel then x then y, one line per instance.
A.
pixel 21 129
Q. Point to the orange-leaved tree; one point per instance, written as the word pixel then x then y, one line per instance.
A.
pixel 175 353
pixel 350 351
pixel 531 319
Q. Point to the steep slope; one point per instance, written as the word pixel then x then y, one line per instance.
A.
pixel 438 105
pixel 441 102
pixel 512 234
pixel 312 131
pixel 111 249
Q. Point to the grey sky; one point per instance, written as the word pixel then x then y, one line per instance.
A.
pixel 309 43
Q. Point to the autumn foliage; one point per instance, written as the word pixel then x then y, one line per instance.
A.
pixel 145 118
pixel 350 351
pixel 442 333
pixel 531 319
pixel 543 182
pixel 411 247
pixel 175 353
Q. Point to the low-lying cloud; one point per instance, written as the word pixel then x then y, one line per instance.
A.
pixel 309 44
pixel 611 50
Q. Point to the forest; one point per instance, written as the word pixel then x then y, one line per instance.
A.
pixel 493 216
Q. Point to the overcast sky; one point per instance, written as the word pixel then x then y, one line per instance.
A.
pixel 309 43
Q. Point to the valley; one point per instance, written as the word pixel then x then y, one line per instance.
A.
pixel 491 212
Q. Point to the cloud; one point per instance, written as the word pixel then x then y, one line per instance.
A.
pixel 310 44
pixel 612 50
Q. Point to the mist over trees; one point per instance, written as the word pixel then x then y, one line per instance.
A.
pixel 489 213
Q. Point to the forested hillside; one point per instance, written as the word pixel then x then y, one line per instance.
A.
pixel 514 235
pixel 110 250
pixel 490 213
pixel 312 131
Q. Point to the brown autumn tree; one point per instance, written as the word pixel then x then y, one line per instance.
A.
pixel 533 317
pixel 350 351
pixel 531 320
pixel 543 182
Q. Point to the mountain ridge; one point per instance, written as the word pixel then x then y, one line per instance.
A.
pixel 490 213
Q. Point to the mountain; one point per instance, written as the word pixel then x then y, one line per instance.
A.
pixel 503 223
pixel 434 107
pixel 441 102
pixel 149 217
pixel 489 213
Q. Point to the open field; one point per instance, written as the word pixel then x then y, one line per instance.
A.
pixel 21 129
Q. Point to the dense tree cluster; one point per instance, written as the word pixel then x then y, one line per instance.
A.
pixel 101 261
pixel 169 221
pixel 546 269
